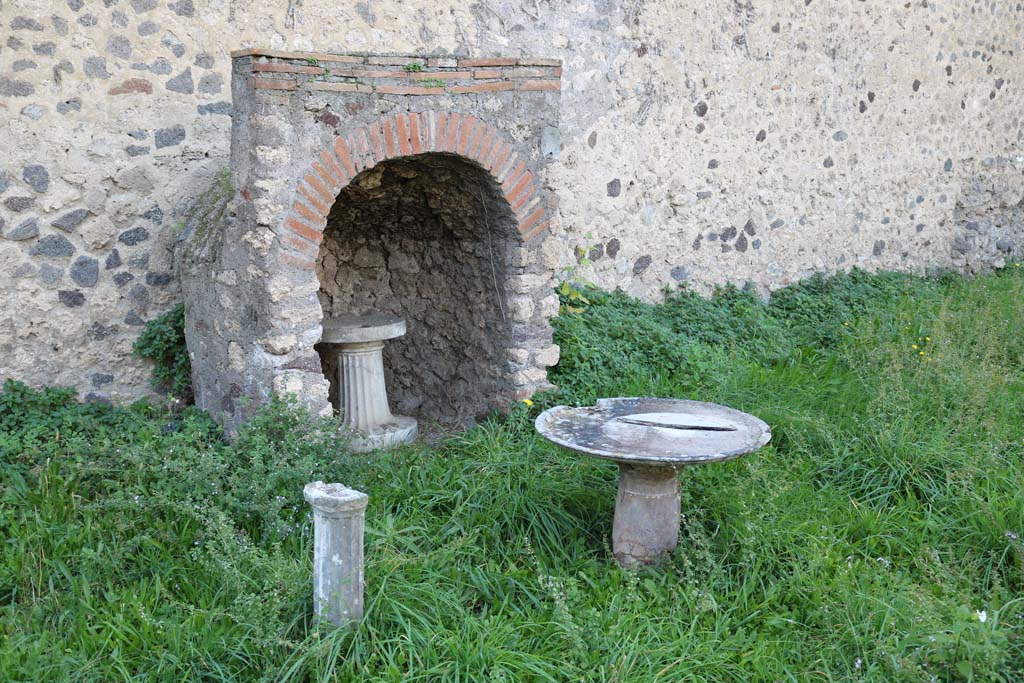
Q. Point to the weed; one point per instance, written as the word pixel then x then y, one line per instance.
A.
pixel 571 296
pixel 163 342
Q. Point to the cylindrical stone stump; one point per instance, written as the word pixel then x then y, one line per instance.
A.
pixel 338 514
pixel 646 524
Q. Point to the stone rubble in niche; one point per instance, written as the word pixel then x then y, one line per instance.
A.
pixel 426 240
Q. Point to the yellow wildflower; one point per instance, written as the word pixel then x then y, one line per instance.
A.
pixel 914 346
pixel 528 402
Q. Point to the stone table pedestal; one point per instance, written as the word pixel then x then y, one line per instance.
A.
pixel 646 523
pixel 364 400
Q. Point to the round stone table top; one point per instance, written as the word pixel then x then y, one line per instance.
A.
pixel 355 329
pixel 654 431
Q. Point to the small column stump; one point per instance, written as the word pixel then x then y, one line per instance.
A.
pixel 338 516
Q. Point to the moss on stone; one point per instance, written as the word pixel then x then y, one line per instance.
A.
pixel 206 219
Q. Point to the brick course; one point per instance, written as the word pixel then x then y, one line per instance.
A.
pixel 346 73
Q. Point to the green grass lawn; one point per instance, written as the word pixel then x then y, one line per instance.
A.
pixel 877 538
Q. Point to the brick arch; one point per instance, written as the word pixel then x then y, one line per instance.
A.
pixel 406 135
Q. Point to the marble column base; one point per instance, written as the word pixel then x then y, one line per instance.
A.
pixel 397 430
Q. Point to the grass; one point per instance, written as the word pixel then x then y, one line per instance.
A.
pixel 877 538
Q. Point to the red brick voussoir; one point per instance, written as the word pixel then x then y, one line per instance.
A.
pixel 403 135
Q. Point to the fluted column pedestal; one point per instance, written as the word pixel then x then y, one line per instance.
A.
pixel 364 399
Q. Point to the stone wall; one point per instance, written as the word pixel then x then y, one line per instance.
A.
pixel 705 141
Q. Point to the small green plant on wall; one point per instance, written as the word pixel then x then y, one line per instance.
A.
pixel 571 298
pixel 570 290
pixel 163 342
pixel 414 67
